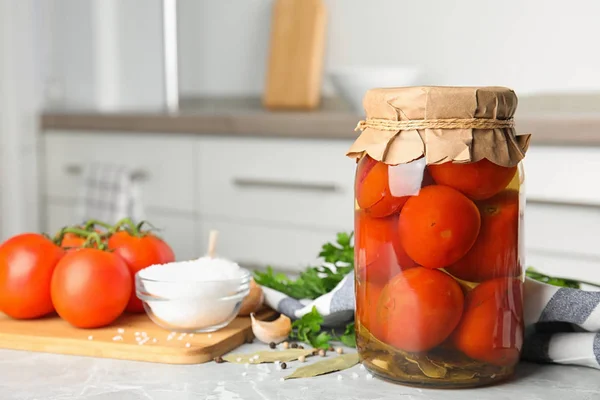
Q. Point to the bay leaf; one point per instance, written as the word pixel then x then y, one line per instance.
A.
pixel 267 356
pixel 428 368
pixel 334 364
pixel 468 286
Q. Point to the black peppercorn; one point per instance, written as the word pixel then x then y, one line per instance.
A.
pixel 219 360
pixel 294 345
pixel 272 345
pixel 283 365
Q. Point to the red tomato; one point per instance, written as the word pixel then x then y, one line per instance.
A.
pixel 27 262
pixel 373 190
pixel 90 287
pixel 491 329
pixel 139 253
pixel 419 309
pixel 495 252
pixel 367 298
pixel 379 254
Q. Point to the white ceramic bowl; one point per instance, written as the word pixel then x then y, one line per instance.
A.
pixel 353 82
pixel 187 305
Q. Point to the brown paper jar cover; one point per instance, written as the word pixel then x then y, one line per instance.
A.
pixel 500 145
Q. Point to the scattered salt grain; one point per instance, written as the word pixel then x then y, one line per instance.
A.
pixel 169 337
pixel 191 335
pixel 209 335
pixel 137 334
pixel 144 334
pixel 256 356
pixel 121 330
pixel 339 377
pixel 137 339
pixel 354 375
pixel 181 336
pixel 281 379
pixel 369 376
pixel 154 340
pixel 238 359
pixel 90 337
pixel 118 337
pixel 244 373
pixel 187 345
pixel 141 342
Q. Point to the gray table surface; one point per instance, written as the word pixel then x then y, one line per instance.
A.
pixel 28 375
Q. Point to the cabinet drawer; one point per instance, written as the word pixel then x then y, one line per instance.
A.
pixel 177 230
pixel 566 266
pixel 562 174
pixel 562 228
pixel 165 162
pixel 251 245
pixel 307 183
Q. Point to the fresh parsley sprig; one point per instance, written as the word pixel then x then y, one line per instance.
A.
pixel 317 280
pixel 308 330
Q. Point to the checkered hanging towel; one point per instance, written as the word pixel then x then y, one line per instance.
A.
pixel 109 193
pixel 562 325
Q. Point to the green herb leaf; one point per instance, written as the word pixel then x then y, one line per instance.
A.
pixel 338 363
pixel 315 281
pixel 349 336
pixel 267 356
pixel 308 330
pixel 562 282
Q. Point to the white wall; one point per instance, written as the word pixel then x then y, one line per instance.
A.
pixel 20 100
pixel 105 54
pixel 529 45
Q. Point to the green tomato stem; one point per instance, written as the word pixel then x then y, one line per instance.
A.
pixel 93 222
pixel 94 237
pixel 126 223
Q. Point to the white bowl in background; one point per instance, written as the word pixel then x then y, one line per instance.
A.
pixel 353 82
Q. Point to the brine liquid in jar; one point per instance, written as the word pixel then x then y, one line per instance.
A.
pixel 438 270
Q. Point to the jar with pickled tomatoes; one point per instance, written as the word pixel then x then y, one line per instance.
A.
pixel 439 205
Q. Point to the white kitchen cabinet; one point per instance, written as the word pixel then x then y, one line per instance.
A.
pixel 285 248
pixel 563 174
pixel 563 211
pixel 278 200
pixel 166 163
pixel 277 181
pixel 178 230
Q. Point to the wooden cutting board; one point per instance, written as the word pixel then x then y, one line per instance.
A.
pixel 54 335
pixel 295 65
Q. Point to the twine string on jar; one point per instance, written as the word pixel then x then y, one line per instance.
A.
pixel 449 123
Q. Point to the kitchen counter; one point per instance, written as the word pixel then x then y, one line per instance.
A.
pixel 333 120
pixel 40 376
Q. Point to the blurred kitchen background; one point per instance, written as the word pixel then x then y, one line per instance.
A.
pixel 172 90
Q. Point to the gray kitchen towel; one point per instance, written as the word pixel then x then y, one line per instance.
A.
pixel 562 325
pixel 109 193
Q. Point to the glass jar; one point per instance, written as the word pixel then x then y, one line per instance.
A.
pixel 438 241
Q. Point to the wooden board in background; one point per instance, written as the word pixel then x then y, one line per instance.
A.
pixel 54 335
pixel 297 47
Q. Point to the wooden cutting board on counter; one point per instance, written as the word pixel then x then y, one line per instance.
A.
pixel 118 341
pixel 297 49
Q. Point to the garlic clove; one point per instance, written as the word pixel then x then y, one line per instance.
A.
pixel 271 331
pixel 253 301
